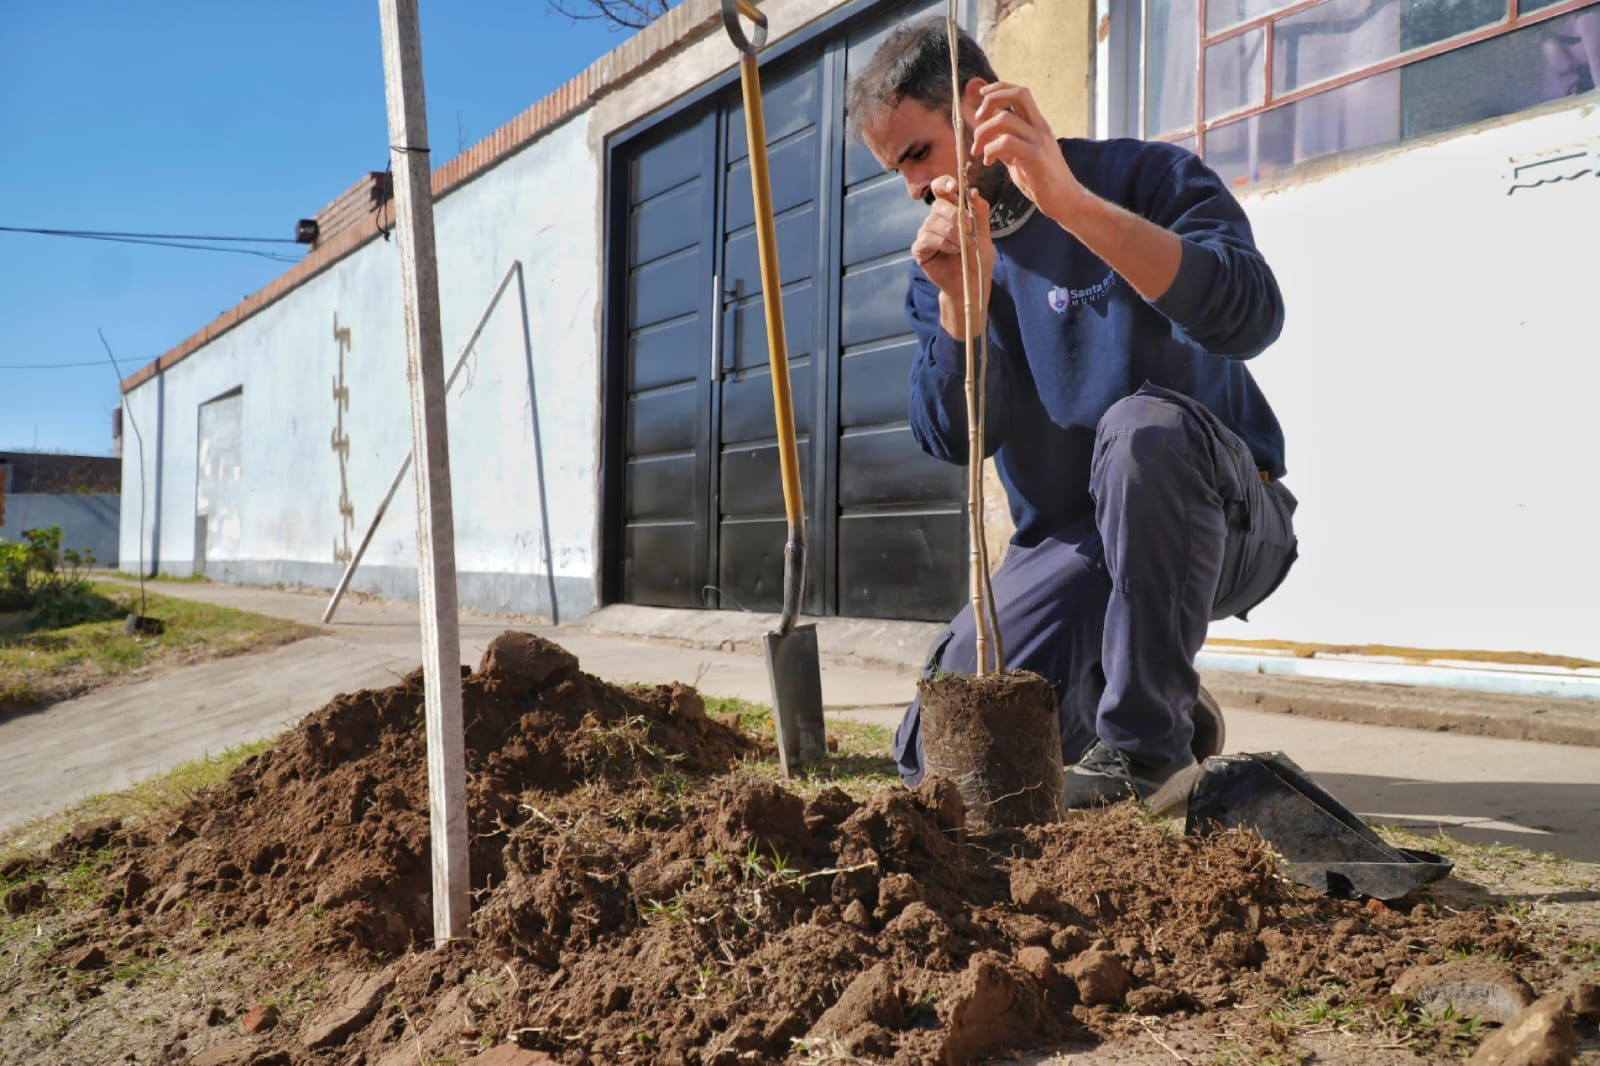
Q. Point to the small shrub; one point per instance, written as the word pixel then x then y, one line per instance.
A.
pixel 38 574
pixel 14 594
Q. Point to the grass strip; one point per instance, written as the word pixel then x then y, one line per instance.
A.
pixel 49 665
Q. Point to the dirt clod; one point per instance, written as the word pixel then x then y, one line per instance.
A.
pixel 1031 895
pixel 993 1007
pixel 1099 976
pixel 1586 1003
pixel 1541 1035
pixel 874 998
pixel 259 1018
pixel 515 664
pixel 24 898
pixel 1036 960
pixel 1474 988
pixel 92 958
pixel 335 1024
pixel 175 894
pixel 512 1055
pixel 87 836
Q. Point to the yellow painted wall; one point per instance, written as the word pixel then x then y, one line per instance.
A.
pixel 1048 45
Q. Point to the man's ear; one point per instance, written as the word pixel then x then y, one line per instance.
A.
pixel 972 93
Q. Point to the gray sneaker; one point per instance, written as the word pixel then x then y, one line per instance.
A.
pixel 1105 775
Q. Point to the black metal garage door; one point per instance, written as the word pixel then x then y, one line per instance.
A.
pixel 695 511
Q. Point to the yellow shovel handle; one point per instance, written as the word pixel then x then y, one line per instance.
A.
pixel 755 126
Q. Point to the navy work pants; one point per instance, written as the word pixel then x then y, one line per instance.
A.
pixel 1113 609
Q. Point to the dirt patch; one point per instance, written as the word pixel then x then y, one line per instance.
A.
pixel 644 892
pixel 998 738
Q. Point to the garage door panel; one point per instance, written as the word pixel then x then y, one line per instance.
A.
pixel 661 564
pixel 788 103
pixel 745 342
pixel 664 421
pixel 751 481
pixel 797 254
pixel 673 161
pixel 880 219
pixel 655 487
pixel 665 355
pixel 747 403
pixel 874 384
pixel 873 303
pixel 750 574
pixel 667 224
pixel 902 566
pixel 886 466
pixel 793 173
pixel 667 288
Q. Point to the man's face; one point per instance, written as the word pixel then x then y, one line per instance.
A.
pixel 1566 66
pixel 917 142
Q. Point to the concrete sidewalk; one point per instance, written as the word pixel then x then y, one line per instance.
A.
pixel 1484 789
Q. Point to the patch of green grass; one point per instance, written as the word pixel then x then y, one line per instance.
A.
pixel 54 664
pixel 84 883
pixel 859 765
pixel 155 795
pixel 166 579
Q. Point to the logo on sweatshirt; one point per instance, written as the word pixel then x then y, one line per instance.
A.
pixel 1060 298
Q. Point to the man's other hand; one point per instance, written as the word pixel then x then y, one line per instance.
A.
pixel 937 250
pixel 1012 130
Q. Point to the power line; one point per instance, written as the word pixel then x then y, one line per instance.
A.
pixel 46 366
pixel 163 241
pixel 151 236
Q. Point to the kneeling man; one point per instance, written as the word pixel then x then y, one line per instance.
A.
pixel 1143 465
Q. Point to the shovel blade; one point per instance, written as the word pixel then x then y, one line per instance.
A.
pixel 1326 845
pixel 796 675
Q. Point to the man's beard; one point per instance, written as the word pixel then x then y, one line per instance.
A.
pixel 989 181
pixel 992 182
pixel 1008 207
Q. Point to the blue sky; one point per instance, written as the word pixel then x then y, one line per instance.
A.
pixel 225 118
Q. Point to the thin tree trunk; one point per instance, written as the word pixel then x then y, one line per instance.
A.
pixel 979 576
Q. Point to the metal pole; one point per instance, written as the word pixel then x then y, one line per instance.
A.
pixel 430 446
pixel 538 448
pixel 394 486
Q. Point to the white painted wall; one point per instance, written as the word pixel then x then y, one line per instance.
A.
pixel 538 206
pixel 1437 382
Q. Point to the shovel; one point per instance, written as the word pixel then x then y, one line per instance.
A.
pixel 1326 845
pixel 792 662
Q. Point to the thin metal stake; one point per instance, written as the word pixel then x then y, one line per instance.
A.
pixel 538 446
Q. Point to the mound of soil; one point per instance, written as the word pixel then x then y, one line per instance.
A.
pixel 643 893
pixel 335 816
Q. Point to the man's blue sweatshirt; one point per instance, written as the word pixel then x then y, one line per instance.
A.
pixel 1068 337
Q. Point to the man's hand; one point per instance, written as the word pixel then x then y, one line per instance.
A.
pixel 1012 130
pixel 937 250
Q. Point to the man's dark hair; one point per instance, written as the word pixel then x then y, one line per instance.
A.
pixel 913 62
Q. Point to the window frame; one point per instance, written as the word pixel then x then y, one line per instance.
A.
pixel 1123 105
